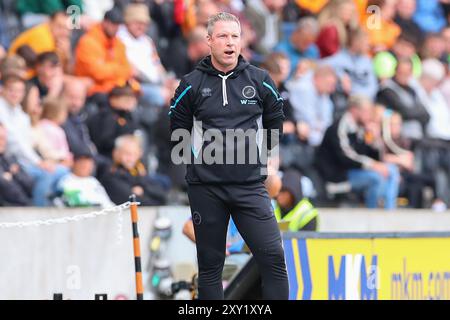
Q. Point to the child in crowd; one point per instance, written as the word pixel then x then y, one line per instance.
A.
pixel 128 175
pixel 80 188
pixel 52 142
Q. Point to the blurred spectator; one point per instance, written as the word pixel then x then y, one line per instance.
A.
pixel 397 151
pixel 13 65
pixel 292 208
pixel 301 44
pixel 15 184
pixel 197 47
pixel 265 17
pixel 429 15
pixel 398 94
pixel 355 64
pixel 336 20
pixel 313 108
pixel 385 62
pixel 129 176
pixel 80 188
pixel 446 36
pixel 351 152
pixel 142 55
pixel 114 121
pixel 31 104
pixel 53 35
pixel 53 145
pixel 383 31
pixel 404 19
pixel 20 141
pixel 433 100
pixel 30 57
pixel 436 150
pixel 101 56
pixel 49 75
pixel 434 47
pixel 75 127
pixel 34 12
pixel 10 25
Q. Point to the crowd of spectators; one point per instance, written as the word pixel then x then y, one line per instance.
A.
pixel 86 87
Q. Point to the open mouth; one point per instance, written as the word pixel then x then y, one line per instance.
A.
pixel 229 53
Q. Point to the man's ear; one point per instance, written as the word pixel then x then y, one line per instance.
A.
pixel 208 39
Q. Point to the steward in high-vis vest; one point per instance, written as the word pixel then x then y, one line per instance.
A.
pixel 292 208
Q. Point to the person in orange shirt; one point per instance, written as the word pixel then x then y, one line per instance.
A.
pixel 383 31
pixel 53 35
pixel 101 56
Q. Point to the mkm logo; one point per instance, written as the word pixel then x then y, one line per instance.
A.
pixel 353 281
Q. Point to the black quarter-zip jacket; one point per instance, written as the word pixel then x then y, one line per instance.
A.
pixel 244 98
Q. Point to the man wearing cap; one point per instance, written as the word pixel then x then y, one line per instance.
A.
pixel 142 54
pixel 101 56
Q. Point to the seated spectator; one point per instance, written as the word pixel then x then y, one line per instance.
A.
pixel 404 19
pixel 266 20
pixel 31 105
pixel 13 65
pixel 436 148
pixel 197 47
pixel 30 57
pixel 429 15
pixel 383 31
pixel 355 64
pixel 399 95
pixel 52 144
pixel 80 188
pixel 434 47
pixel 20 141
pixel 101 55
pixel 292 208
pixel 129 176
pixel 142 55
pixel 405 47
pixel 114 121
pixel 313 108
pixel 49 75
pixel 336 20
pixel 397 151
pixel 53 35
pixel 75 127
pixel 301 44
pixel 350 151
pixel 15 184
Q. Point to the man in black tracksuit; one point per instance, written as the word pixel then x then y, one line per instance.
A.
pixel 226 92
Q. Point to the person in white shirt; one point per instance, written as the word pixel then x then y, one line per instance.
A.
pixel 142 55
pixel 80 188
pixel 20 141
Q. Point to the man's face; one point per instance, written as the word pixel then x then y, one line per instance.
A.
pixel 406 8
pixel 303 39
pixel 403 73
pixel 125 103
pixel 75 95
pixel 364 114
pixel 137 28
pixel 3 139
pixel 14 92
pixel 110 29
pixel 48 71
pixel 225 44
pixel 59 27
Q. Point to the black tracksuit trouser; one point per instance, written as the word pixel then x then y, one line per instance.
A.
pixel 251 209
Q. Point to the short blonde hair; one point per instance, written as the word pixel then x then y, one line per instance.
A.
pixel 221 16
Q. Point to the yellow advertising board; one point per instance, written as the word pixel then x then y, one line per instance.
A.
pixel 368 267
